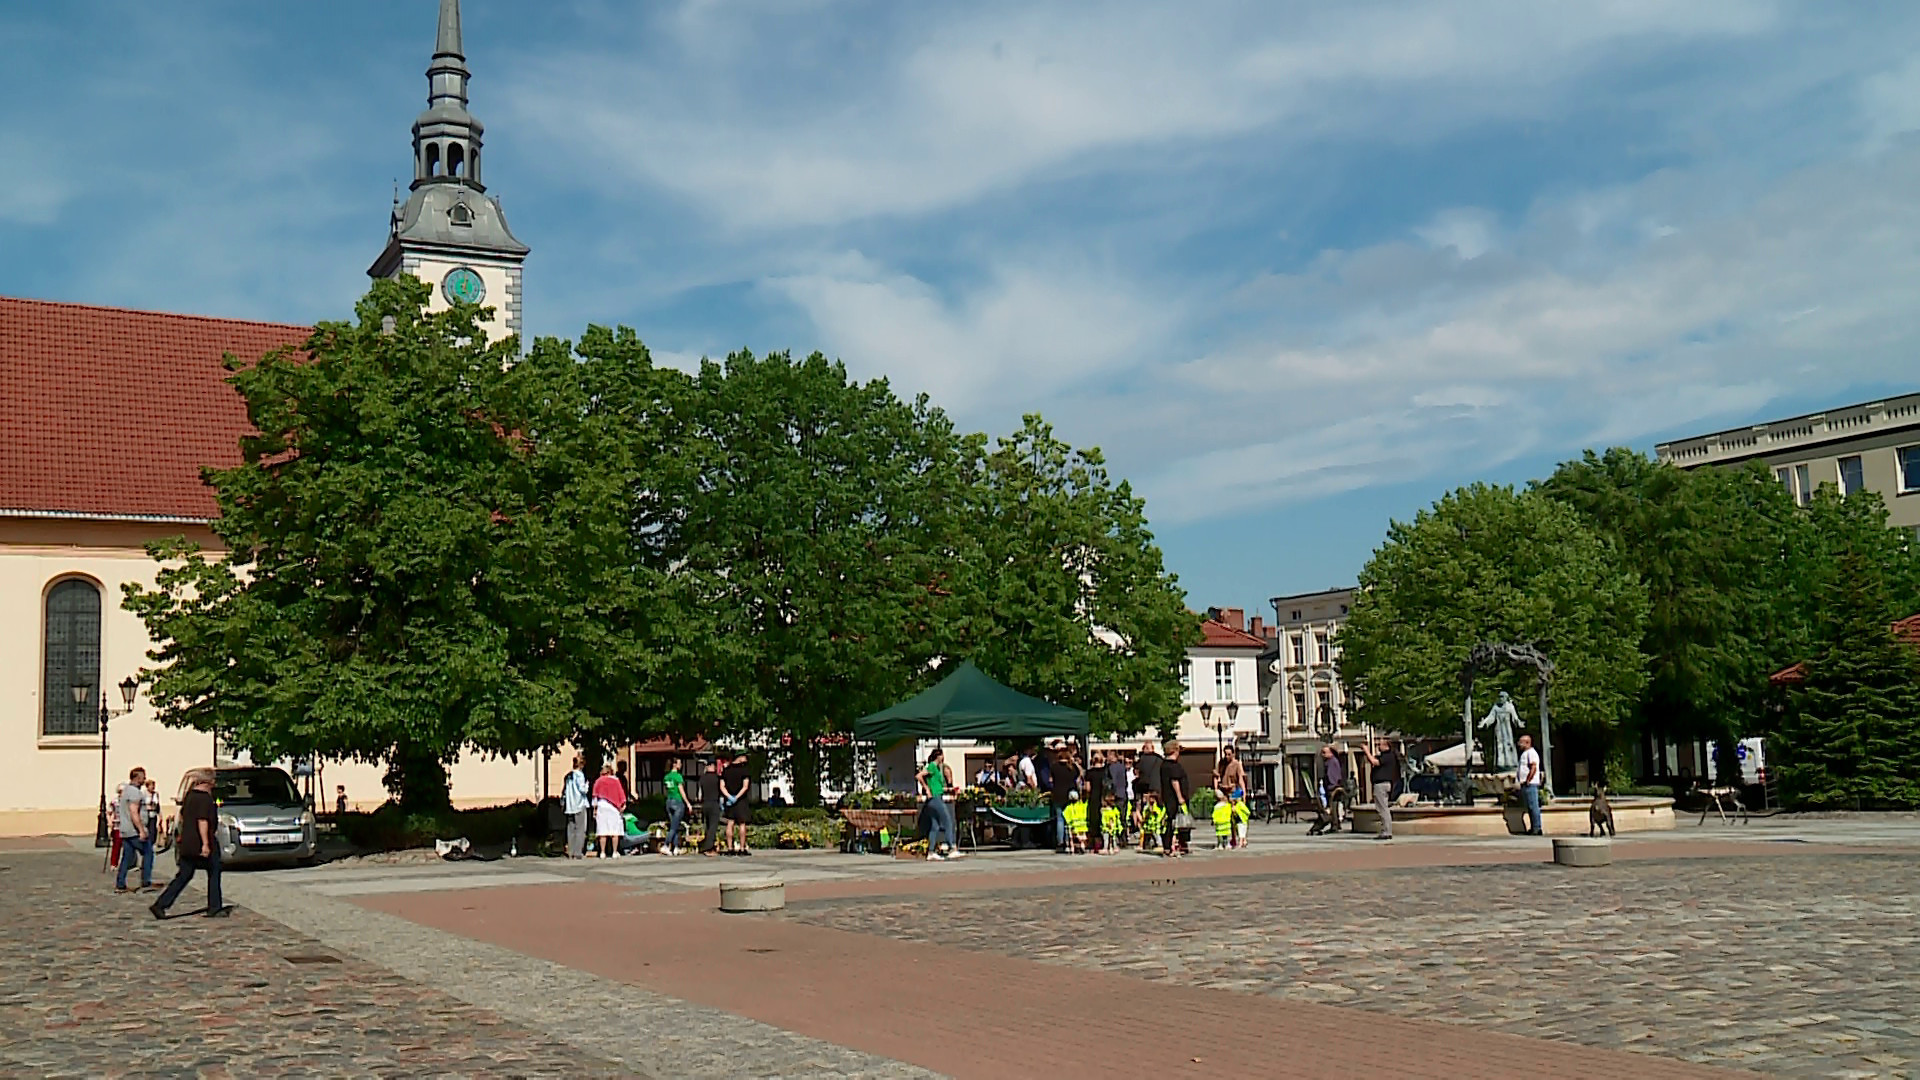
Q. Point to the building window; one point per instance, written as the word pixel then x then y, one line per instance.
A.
pixel 71 649
pixel 1296 616
pixel 1299 650
pixel 1300 707
pixel 1320 649
pixel 1343 609
pixel 1852 476
pixel 1909 469
pixel 1223 680
pixel 1186 679
pixel 1802 480
pixel 1785 476
pixel 1325 696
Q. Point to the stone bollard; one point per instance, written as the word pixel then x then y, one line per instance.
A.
pixel 1582 851
pixel 753 894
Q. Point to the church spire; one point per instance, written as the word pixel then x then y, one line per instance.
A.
pixel 446 138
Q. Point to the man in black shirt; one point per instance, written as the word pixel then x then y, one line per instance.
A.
pixel 710 807
pixel 1066 781
pixel 1386 769
pixel 1174 789
pixel 199 846
pixel 1146 770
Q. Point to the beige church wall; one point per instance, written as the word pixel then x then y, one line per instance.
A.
pixel 52 784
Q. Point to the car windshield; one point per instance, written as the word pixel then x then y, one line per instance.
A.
pixel 255 787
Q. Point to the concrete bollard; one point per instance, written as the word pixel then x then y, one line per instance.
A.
pixel 1582 851
pixel 753 894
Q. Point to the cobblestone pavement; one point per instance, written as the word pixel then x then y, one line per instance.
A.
pixel 91 985
pixel 1804 966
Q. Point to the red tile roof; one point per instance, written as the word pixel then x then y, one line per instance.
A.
pixel 105 411
pixel 1216 634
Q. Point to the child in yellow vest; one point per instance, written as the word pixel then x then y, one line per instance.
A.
pixel 1222 824
pixel 1241 815
pixel 1110 826
pixel 1153 820
pixel 1076 817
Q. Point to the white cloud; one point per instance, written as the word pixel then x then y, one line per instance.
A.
pixel 727 109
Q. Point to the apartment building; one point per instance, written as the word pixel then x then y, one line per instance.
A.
pixel 1872 446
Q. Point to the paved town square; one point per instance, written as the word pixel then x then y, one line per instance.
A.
pixel 1781 948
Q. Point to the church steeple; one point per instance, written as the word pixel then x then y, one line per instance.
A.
pixel 446 138
pixel 449 231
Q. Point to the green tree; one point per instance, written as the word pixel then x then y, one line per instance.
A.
pixel 368 605
pixel 1712 547
pixel 1063 593
pixel 1489 564
pixel 1850 737
pixel 814 515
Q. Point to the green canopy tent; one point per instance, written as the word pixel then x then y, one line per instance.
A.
pixel 969 705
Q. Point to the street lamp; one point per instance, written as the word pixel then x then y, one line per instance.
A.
pixel 1324 724
pixel 129 687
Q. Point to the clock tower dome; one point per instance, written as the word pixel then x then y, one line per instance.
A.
pixel 450 233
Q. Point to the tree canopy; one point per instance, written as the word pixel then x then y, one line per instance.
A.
pixel 437 546
pixel 1489 564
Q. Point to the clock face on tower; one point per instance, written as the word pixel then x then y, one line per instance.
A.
pixel 462 286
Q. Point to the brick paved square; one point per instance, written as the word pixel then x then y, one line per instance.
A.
pixel 1805 966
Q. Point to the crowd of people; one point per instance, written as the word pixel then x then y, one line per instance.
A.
pixel 601 823
pixel 1121 800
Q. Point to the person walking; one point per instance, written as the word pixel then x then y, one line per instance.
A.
pixel 339 800
pixel 576 801
pixel 199 846
pixel 710 805
pixel 676 788
pixel 734 783
pixel 609 800
pixel 1333 787
pixel 136 835
pixel 1385 763
pixel 1065 773
pixel 935 779
pixel 150 811
pixel 1174 791
pixel 1530 779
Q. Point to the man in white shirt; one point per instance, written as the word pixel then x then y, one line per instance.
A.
pixel 130 809
pixel 1530 777
pixel 575 802
pixel 1028 778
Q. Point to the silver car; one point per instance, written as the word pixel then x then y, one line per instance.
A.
pixel 262 817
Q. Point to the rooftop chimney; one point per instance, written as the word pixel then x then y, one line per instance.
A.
pixel 1232 618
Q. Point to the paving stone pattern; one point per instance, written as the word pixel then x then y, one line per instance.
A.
pixel 1803 966
pixel 91 985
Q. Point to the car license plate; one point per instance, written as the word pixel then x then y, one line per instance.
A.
pixel 271 838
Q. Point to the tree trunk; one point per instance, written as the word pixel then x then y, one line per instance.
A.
pixel 417 780
pixel 803 759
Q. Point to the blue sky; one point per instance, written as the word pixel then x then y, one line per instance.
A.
pixel 1297 268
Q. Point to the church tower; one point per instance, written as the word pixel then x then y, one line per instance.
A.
pixel 450 233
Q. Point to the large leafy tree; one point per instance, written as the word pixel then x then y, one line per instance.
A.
pixel 373 602
pixel 1712 547
pixel 1063 593
pixel 814 516
pixel 1850 737
pixel 1491 564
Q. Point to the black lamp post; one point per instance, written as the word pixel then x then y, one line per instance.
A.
pixel 128 688
pixel 1324 724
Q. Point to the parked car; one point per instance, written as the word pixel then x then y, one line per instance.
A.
pixel 262 817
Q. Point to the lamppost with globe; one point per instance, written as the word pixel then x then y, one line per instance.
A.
pixel 129 687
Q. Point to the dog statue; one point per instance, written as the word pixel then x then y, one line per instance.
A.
pixel 1600 813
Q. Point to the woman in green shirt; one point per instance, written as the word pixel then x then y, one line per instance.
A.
pixel 676 785
pixel 935 781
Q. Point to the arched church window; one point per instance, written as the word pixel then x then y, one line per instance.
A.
pixel 473 164
pixel 455 159
pixel 70 651
pixel 461 214
pixel 433 159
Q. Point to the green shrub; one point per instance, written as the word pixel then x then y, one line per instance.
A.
pixel 390 829
pixel 1200 804
pixel 782 815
